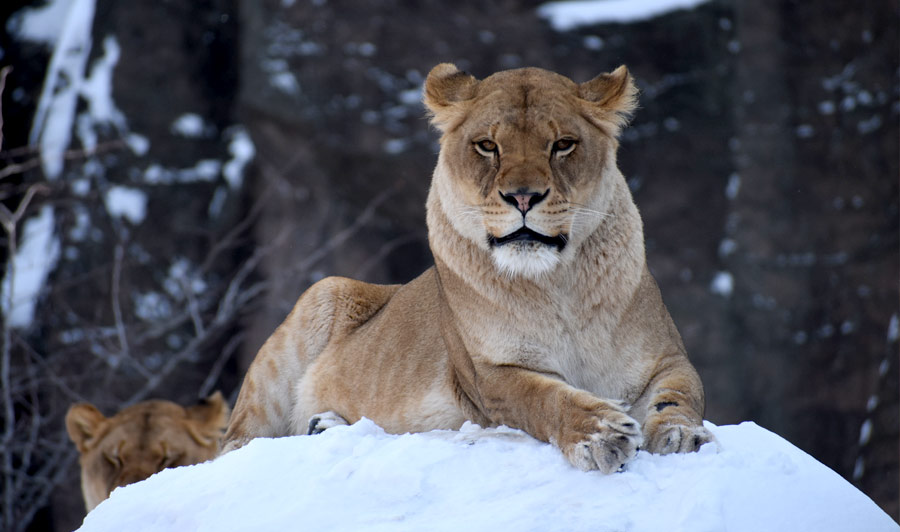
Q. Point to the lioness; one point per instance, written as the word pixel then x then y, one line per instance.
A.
pixel 539 312
pixel 142 440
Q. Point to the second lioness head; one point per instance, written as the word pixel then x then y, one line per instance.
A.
pixel 524 156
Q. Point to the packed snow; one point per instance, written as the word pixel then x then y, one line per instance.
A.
pixel 565 16
pixel 360 478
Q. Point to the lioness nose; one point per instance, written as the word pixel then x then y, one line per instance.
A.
pixel 523 199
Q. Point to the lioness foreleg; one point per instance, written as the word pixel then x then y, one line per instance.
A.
pixel 592 433
pixel 673 410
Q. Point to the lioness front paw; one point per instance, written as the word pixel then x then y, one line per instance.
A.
pixel 667 438
pixel 319 423
pixel 604 439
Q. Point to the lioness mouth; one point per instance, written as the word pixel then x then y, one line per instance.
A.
pixel 527 235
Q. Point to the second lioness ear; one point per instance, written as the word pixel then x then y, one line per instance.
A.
pixel 207 421
pixel 446 89
pixel 611 97
pixel 82 423
pixel 212 412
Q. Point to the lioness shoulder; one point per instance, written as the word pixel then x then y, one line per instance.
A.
pixel 540 312
pixel 141 440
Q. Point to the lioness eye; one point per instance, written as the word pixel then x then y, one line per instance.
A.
pixel 486 147
pixel 564 146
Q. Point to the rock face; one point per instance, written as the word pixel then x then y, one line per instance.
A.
pixel 764 159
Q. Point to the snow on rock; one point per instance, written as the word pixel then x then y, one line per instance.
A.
pixel 360 478
pixel 242 152
pixel 189 125
pixel 65 26
pixel 55 112
pixel 139 144
pixel 565 16
pixel 40 24
pixel 722 284
pixel 733 186
pixel 125 202
pixel 97 87
pixel 27 272
pixel 205 170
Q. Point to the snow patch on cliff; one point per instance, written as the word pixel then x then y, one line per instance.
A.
pixel 569 15
pixel 28 270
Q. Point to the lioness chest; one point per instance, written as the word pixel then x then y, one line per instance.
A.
pixel 563 338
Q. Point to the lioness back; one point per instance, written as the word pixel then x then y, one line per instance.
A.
pixel 355 348
pixel 392 369
pixel 540 312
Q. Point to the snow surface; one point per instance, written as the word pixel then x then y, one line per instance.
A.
pixel 360 478
pixel 34 260
pixel 565 16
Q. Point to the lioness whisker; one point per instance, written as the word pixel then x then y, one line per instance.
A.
pixel 579 208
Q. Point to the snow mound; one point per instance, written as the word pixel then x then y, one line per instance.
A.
pixel 360 478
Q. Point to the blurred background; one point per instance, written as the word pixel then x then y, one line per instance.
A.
pixel 173 174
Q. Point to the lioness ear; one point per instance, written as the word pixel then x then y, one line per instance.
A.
pixel 82 422
pixel 612 97
pixel 211 413
pixel 207 420
pixel 446 88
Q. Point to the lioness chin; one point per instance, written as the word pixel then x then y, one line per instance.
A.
pixel 539 313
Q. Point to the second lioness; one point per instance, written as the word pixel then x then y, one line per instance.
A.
pixel 540 312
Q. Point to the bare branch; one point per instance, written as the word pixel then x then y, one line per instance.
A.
pixel 343 235
pixel 45 368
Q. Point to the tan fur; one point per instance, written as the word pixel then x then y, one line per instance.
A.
pixel 142 440
pixel 566 338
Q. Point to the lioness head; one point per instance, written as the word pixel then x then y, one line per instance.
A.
pixel 142 440
pixel 525 156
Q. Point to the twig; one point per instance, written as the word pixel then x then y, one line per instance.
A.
pixel 226 241
pixel 119 253
pixel 34 429
pixel 3 73
pixel 61 464
pixel 386 249
pixel 343 235
pixel 68 155
pixel 193 307
pixel 216 370
pixel 9 221
pixel 53 377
